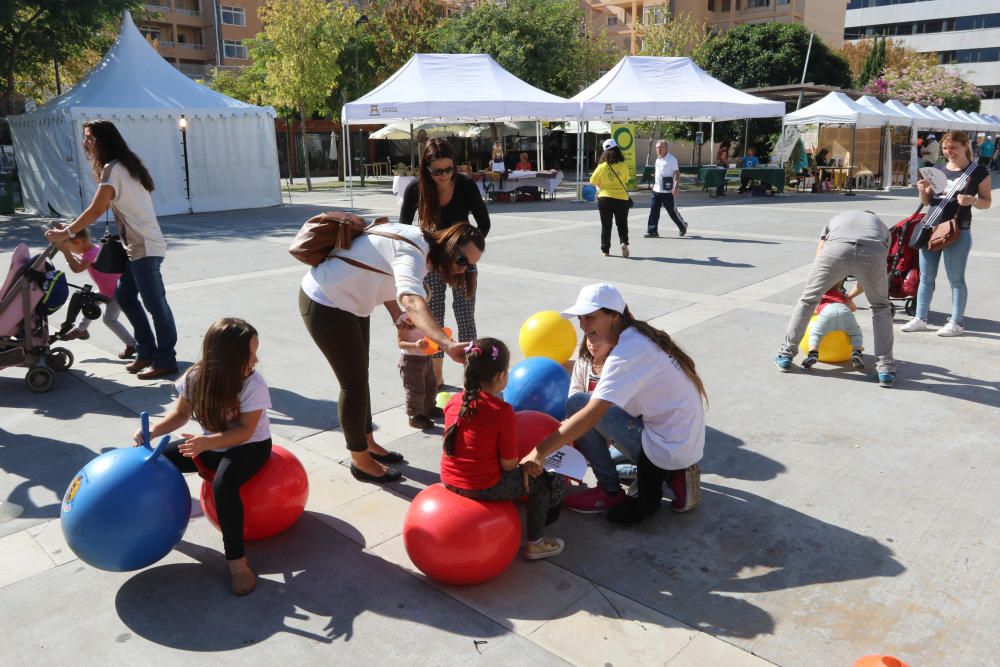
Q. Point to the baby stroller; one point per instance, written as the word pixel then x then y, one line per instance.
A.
pixel 903 263
pixel 32 291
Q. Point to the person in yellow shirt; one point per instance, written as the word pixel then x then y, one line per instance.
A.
pixel 613 200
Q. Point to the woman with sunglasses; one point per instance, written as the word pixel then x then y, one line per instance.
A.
pixel 337 299
pixel 441 198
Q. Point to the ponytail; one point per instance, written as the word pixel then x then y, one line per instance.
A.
pixel 667 344
pixel 485 359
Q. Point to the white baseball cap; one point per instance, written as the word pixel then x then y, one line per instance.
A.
pixel 594 297
pixel 609 143
pixel 931 136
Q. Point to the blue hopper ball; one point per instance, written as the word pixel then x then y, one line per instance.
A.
pixel 126 509
pixel 538 383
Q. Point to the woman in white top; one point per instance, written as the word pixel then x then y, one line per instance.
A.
pixel 649 400
pixel 124 185
pixel 384 267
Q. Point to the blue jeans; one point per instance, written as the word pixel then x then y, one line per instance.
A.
pixel 617 427
pixel 956 256
pixel 666 200
pixel 144 279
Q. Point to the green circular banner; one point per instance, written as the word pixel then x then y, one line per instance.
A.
pixel 623 137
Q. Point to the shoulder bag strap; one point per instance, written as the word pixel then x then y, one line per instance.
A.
pixel 390 235
pixel 360 265
pixel 956 187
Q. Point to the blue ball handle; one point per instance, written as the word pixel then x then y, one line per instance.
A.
pixel 144 418
pixel 159 449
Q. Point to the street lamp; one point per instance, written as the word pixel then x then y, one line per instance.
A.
pixel 183 123
pixel 362 20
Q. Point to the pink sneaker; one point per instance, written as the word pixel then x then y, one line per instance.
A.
pixel 686 485
pixel 594 501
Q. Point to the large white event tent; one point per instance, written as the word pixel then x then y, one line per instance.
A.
pixel 895 118
pixel 659 88
pixel 204 150
pixel 991 125
pixel 933 122
pixel 453 87
pixel 839 109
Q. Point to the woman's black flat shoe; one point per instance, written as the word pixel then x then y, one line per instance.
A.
pixel 391 475
pixel 390 457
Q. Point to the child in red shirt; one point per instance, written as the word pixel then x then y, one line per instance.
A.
pixel 480 458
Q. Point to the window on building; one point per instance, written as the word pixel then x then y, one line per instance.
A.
pixel 234 49
pixel 181 38
pixel 612 20
pixel 711 5
pixel 657 14
pixel 234 15
pixel 150 33
pixel 757 4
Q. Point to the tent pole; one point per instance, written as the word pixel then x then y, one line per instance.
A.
pixel 913 155
pixel 412 146
pixel 746 137
pixel 347 161
pixel 538 144
pixel 711 144
pixel 850 168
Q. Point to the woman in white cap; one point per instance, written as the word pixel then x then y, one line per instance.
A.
pixel 612 195
pixel 649 400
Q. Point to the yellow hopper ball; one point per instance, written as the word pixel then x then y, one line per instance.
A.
pixel 547 334
pixel 835 347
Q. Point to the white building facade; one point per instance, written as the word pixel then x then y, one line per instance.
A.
pixel 965 34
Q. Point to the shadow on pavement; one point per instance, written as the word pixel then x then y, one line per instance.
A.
pixel 324 576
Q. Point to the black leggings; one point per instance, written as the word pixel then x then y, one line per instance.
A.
pixel 233 468
pixel 343 338
pixel 545 495
pixel 608 207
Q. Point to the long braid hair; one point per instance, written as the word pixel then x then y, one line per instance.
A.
pixel 485 359
pixel 665 343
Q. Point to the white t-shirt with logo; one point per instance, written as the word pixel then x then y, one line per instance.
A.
pixel 644 381
pixel 133 209
pixel 665 168
pixel 253 396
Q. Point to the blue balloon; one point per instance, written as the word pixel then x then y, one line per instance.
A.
pixel 127 508
pixel 538 383
pixel 588 192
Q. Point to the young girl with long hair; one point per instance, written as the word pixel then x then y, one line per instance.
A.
pixel 610 177
pixel 123 186
pixel 649 400
pixel 229 399
pixel 480 458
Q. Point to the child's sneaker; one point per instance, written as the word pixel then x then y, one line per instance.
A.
pixel 686 487
pixel 547 547
pixel 951 329
pixel 594 501
pixel 916 324
pixel 857 360
pixel 783 362
pixel 810 359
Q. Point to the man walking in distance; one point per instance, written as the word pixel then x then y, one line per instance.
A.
pixel 853 243
pixel 666 179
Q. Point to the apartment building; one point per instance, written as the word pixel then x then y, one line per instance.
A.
pixel 197 35
pixel 964 35
pixel 619 18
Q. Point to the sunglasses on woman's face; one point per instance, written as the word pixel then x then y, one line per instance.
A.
pixel 460 258
pixel 447 171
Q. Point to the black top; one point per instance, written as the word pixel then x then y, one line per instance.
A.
pixel 465 201
pixel 963 214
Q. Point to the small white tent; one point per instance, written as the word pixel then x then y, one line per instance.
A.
pixel 836 109
pixel 655 88
pixel 230 149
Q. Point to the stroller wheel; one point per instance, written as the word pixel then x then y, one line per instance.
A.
pixel 910 307
pixel 40 379
pixel 59 359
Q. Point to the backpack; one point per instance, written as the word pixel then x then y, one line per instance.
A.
pixel 334 230
pixel 903 265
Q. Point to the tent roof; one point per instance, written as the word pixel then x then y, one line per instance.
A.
pixel 651 88
pixel 919 121
pixel 958 122
pixel 935 122
pixel 991 124
pixel 967 117
pixel 893 116
pixel 945 122
pixel 456 87
pixel 836 109
pixel 132 76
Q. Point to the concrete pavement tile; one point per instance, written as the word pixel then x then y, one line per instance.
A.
pixel 605 628
pixel 707 650
pixel 21 557
pixel 49 536
pixel 331 487
pixel 523 598
pixel 377 516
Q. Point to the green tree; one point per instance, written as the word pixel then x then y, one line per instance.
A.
pixel 399 28
pixel 35 34
pixel 301 64
pixel 771 54
pixel 679 36
pixel 541 41
pixel 874 63
pixel 897 56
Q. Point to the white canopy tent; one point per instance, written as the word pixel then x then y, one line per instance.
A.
pixel 978 124
pixel 897 119
pixel 934 122
pixel 960 123
pixel 993 119
pixel 948 123
pixel 991 125
pixel 454 87
pixel 224 155
pixel 839 109
pixel 917 120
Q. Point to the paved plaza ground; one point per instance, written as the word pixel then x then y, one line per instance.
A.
pixel 838 518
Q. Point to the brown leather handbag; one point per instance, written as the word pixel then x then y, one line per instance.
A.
pixel 943 235
pixel 333 230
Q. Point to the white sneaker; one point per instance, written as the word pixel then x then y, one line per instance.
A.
pixel 916 324
pixel 951 329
